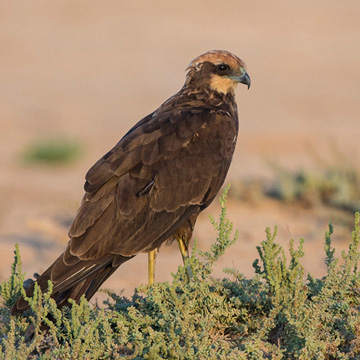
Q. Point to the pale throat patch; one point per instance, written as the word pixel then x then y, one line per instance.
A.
pixel 222 84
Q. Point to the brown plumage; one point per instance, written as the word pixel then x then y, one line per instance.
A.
pixel 153 184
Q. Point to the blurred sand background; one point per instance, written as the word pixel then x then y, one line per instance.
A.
pixel 88 70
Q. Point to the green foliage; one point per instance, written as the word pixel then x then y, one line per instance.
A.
pixel 278 314
pixel 334 183
pixel 337 186
pixel 11 289
pixel 52 152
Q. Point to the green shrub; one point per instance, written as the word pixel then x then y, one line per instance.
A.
pixel 335 186
pixel 53 151
pixel 278 314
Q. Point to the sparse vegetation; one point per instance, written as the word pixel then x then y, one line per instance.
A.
pixel 335 186
pixel 278 314
pixel 52 152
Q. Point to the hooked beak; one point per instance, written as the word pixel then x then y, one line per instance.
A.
pixel 244 79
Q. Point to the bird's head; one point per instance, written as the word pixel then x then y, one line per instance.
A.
pixel 219 70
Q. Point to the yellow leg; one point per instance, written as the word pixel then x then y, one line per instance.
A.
pixel 185 255
pixel 151 266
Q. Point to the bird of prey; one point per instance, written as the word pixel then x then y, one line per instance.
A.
pixel 153 184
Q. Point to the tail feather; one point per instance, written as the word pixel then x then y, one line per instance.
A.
pixel 73 282
pixel 88 287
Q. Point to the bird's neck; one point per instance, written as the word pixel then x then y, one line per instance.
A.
pixel 207 97
pixel 201 97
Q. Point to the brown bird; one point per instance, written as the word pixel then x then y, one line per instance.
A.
pixel 153 184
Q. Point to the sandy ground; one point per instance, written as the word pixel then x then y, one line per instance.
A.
pixel 88 70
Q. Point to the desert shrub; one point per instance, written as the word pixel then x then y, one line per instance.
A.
pixel 334 183
pixel 52 152
pixel 336 186
pixel 277 314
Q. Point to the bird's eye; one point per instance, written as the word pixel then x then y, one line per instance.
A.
pixel 223 67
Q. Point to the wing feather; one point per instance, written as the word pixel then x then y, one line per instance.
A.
pixel 151 182
pixel 88 213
